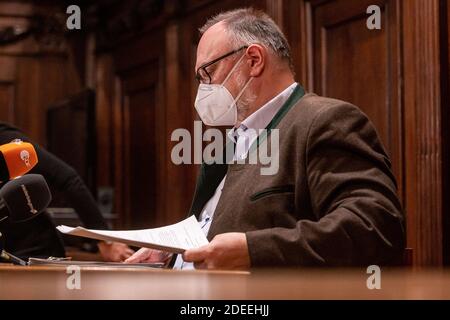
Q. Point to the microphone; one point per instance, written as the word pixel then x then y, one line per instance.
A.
pixel 16 159
pixel 23 198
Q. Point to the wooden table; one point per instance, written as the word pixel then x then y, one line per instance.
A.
pixel 122 283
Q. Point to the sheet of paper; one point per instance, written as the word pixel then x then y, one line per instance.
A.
pixel 175 238
pixel 70 262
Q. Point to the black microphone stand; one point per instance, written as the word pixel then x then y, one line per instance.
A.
pixel 8 257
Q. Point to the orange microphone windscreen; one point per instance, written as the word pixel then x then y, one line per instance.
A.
pixel 17 158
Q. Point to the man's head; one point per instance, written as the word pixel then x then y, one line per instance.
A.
pixel 243 45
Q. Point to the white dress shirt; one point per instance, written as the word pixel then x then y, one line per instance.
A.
pixel 243 138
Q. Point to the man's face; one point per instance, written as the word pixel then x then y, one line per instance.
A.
pixel 213 44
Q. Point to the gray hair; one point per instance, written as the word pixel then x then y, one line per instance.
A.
pixel 247 26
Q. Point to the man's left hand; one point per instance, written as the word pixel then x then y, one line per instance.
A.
pixel 225 251
pixel 114 251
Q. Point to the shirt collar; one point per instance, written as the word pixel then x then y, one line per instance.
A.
pixel 262 117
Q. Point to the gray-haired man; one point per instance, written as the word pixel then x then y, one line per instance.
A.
pixel 333 200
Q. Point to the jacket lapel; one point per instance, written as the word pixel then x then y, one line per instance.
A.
pixel 212 174
pixel 295 96
pixel 209 178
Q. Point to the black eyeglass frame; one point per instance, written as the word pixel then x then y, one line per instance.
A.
pixel 204 66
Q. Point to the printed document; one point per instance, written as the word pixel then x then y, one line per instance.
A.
pixel 175 238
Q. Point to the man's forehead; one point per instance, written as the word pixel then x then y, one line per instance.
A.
pixel 213 43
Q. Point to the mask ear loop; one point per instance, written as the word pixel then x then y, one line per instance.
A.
pixel 229 75
pixel 232 70
pixel 243 89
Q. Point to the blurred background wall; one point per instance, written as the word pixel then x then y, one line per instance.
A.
pixel 107 97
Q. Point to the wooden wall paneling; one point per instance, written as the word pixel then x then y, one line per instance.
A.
pixel 178 116
pixel 274 8
pixel 188 92
pixel 343 46
pixel 28 107
pixel 421 34
pixel 117 149
pixel 57 80
pixel 445 39
pixel 130 74
pixel 140 151
pixel 362 66
pixel 162 189
pixel 7 101
pixel 412 123
pixel 130 217
pixel 139 68
pixel 40 69
pixel 293 18
pixel 395 93
pixel 104 83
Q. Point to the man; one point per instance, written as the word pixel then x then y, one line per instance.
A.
pixel 333 200
pixel 38 237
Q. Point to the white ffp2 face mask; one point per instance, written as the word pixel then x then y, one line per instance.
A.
pixel 214 103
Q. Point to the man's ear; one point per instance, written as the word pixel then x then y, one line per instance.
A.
pixel 257 59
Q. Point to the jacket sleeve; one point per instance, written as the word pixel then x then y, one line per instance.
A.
pixel 62 177
pixel 359 219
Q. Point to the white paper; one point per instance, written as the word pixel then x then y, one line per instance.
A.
pixel 175 238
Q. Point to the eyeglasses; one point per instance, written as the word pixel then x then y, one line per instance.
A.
pixel 202 74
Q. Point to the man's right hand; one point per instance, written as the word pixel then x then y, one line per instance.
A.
pixel 146 255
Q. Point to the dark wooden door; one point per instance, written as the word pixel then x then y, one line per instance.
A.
pixel 361 66
pixel 139 133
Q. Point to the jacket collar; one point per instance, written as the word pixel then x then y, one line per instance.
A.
pixel 212 174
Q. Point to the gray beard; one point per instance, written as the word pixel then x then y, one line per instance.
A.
pixel 243 105
pixel 246 99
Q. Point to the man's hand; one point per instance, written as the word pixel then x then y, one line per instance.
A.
pixel 149 256
pixel 114 251
pixel 225 251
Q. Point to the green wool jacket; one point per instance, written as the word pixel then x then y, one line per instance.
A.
pixel 333 201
